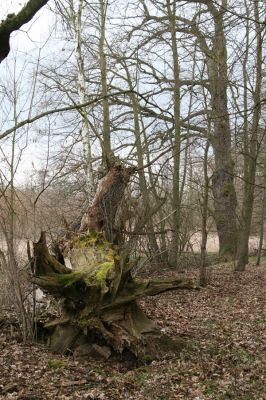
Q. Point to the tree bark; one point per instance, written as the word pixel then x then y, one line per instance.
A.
pixel 85 129
pixel 100 216
pixel 106 145
pixel 99 296
pixel 223 178
pixel 250 157
pixel 263 208
pixel 223 183
pixel 173 251
pixel 204 233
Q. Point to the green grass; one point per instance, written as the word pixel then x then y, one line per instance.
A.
pixel 253 258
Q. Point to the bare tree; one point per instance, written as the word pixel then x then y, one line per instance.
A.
pixel 251 144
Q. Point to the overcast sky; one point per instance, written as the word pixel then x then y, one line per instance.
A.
pixel 32 35
pixel 11 6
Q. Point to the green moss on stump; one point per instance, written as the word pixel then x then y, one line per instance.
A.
pixel 83 241
pixel 67 280
pixel 93 259
pixel 103 271
pixel 98 276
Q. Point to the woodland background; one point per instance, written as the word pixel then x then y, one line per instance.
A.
pixel 173 89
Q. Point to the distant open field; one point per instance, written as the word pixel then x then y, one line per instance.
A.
pixel 212 244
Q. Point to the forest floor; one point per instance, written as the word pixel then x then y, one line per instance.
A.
pixel 224 355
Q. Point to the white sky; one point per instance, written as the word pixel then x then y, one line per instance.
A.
pixel 11 6
pixel 32 34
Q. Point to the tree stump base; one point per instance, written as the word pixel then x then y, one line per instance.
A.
pixel 99 297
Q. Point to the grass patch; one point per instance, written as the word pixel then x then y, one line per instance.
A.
pixel 253 258
pixel 193 260
pixel 241 357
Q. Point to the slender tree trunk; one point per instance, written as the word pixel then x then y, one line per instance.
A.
pixel 10 261
pixel 106 114
pixel 262 220
pixel 85 129
pixel 173 251
pixel 251 157
pixel 142 180
pixel 204 233
pixel 263 208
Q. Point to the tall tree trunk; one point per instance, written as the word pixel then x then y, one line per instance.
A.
pixel 263 208
pixel 262 223
pixel 85 129
pixel 204 233
pixel 142 180
pixel 251 157
pixel 223 177
pixel 173 251
pixel 223 183
pixel 106 146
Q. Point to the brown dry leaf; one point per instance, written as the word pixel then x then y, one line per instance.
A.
pixel 224 329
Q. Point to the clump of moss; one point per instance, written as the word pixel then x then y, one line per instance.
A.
pixel 90 239
pixel 95 259
pixel 83 324
pixel 56 364
pixel 68 279
pixel 103 271
pixel 98 276
pixel 147 359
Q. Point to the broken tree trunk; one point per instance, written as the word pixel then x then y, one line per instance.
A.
pixel 99 296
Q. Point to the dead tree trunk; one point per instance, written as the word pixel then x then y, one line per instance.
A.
pixel 99 296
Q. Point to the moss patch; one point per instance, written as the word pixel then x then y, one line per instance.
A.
pixel 67 280
pixel 103 271
pixel 56 364
pixel 97 276
pixel 93 256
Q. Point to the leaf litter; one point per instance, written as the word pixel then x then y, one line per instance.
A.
pixel 223 327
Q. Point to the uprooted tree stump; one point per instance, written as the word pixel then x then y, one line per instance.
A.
pixel 99 296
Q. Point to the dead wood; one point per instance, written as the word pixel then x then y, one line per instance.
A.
pixel 98 295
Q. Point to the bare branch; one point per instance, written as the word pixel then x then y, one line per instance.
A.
pixel 15 21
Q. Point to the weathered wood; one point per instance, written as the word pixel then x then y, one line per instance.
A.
pixel 99 294
pixel 100 216
pixel 44 262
